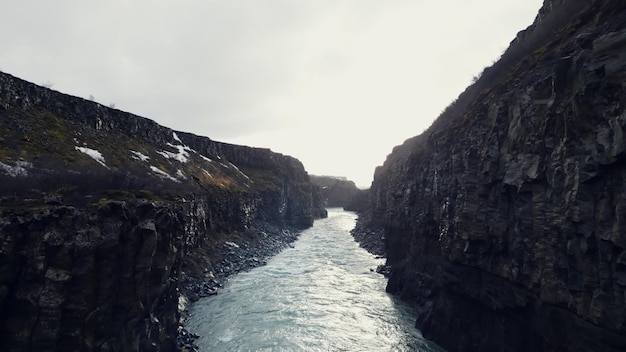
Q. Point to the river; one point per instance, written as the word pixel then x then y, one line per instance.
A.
pixel 319 295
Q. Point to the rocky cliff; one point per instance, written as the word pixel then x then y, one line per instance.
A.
pixel 339 192
pixel 107 218
pixel 505 221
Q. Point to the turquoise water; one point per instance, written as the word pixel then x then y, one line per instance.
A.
pixel 320 295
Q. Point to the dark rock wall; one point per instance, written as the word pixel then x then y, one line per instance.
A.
pixel 109 277
pixel 106 273
pixel 101 279
pixel 24 95
pixel 287 197
pixel 358 202
pixel 505 222
pixel 336 191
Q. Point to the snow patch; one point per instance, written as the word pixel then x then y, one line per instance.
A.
pixel 180 175
pixel 232 244
pixel 92 153
pixel 175 136
pixel 139 156
pixel 241 172
pixel 182 155
pixel 19 169
pixel 182 303
pixel 205 158
pixel 163 173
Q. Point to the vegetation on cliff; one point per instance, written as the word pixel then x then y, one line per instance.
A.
pixel 107 218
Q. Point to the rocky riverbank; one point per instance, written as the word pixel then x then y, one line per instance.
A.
pixel 241 253
pixel 369 236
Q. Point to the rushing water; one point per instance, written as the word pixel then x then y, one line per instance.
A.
pixel 320 295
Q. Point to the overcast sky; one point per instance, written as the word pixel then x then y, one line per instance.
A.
pixel 334 83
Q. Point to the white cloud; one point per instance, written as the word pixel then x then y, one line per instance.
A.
pixel 335 83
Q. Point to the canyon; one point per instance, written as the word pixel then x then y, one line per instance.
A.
pixel 504 223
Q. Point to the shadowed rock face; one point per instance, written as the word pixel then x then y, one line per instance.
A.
pixel 505 221
pixel 106 218
pixel 339 192
pixel 97 279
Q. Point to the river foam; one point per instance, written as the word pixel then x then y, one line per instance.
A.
pixel 319 295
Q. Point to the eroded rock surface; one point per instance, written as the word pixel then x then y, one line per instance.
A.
pixel 338 191
pixel 110 223
pixel 505 221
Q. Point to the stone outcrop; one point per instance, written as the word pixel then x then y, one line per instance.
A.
pixel 108 221
pixel 505 221
pixel 102 278
pixel 337 191
pixel 358 202
pixel 370 234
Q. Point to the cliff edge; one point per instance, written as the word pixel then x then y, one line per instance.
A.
pixel 504 222
pixel 339 192
pixel 108 221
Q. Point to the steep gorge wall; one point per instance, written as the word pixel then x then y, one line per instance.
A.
pixel 94 256
pixel 505 222
pixel 41 120
pixel 108 277
pixel 100 279
pixel 338 192
pixel 287 195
